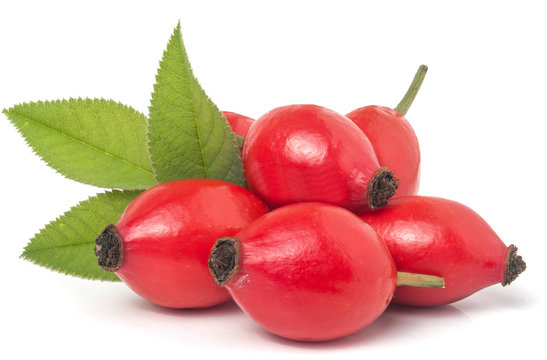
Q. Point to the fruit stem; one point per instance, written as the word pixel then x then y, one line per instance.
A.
pixel 419 280
pixel 224 260
pixel 109 249
pixel 412 91
pixel 514 265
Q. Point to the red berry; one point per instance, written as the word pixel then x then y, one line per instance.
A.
pixel 444 238
pixel 302 153
pixel 240 124
pixel 161 243
pixel 308 272
pixel 392 137
pixel 394 142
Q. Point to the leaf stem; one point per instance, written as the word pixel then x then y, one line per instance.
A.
pixel 412 91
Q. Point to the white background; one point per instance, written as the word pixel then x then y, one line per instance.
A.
pixel 480 118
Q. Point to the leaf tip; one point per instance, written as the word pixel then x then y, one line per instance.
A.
pixel 23 255
pixel 27 255
pixel 177 30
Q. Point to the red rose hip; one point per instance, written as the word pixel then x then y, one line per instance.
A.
pixel 302 153
pixel 444 238
pixel 308 272
pixel 238 123
pixel 392 137
pixel 161 243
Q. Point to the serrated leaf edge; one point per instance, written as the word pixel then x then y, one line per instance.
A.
pixel 177 36
pixel 7 111
pixel 24 254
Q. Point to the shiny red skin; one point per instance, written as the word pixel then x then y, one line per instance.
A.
pixel 394 142
pixel 238 123
pixel 312 272
pixel 302 153
pixel 435 236
pixel 168 232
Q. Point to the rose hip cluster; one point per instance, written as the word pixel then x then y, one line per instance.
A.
pixel 329 232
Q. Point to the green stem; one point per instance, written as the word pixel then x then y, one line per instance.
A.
pixel 412 91
pixel 419 280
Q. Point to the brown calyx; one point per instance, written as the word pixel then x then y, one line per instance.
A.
pixel 514 265
pixel 224 260
pixel 381 188
pixel 109 249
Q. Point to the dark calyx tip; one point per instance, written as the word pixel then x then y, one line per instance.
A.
pixel 109 249
pixel 381 188
pixel 514 265
pixel 224 260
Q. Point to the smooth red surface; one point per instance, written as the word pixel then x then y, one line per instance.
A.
pixel 301 153
pixel 240 124
pixel 168 232
pixel 394 142
pixel 312 272
pixel 440 237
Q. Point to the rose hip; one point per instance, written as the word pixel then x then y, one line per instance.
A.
pixel 302 153
pixel 309 272
pixel 238 123
pixel 161 243
pixel 392 137
pixel 444 238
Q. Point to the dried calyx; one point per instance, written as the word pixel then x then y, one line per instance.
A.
pixel 381 188
pixel 514 265
pixel 224 259
pixel 109 249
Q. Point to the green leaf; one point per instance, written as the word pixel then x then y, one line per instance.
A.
pixel 97 142
pixel 240 140
pixel 67 244
pixel 188 136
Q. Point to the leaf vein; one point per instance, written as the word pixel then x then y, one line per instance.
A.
pixel 50 128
